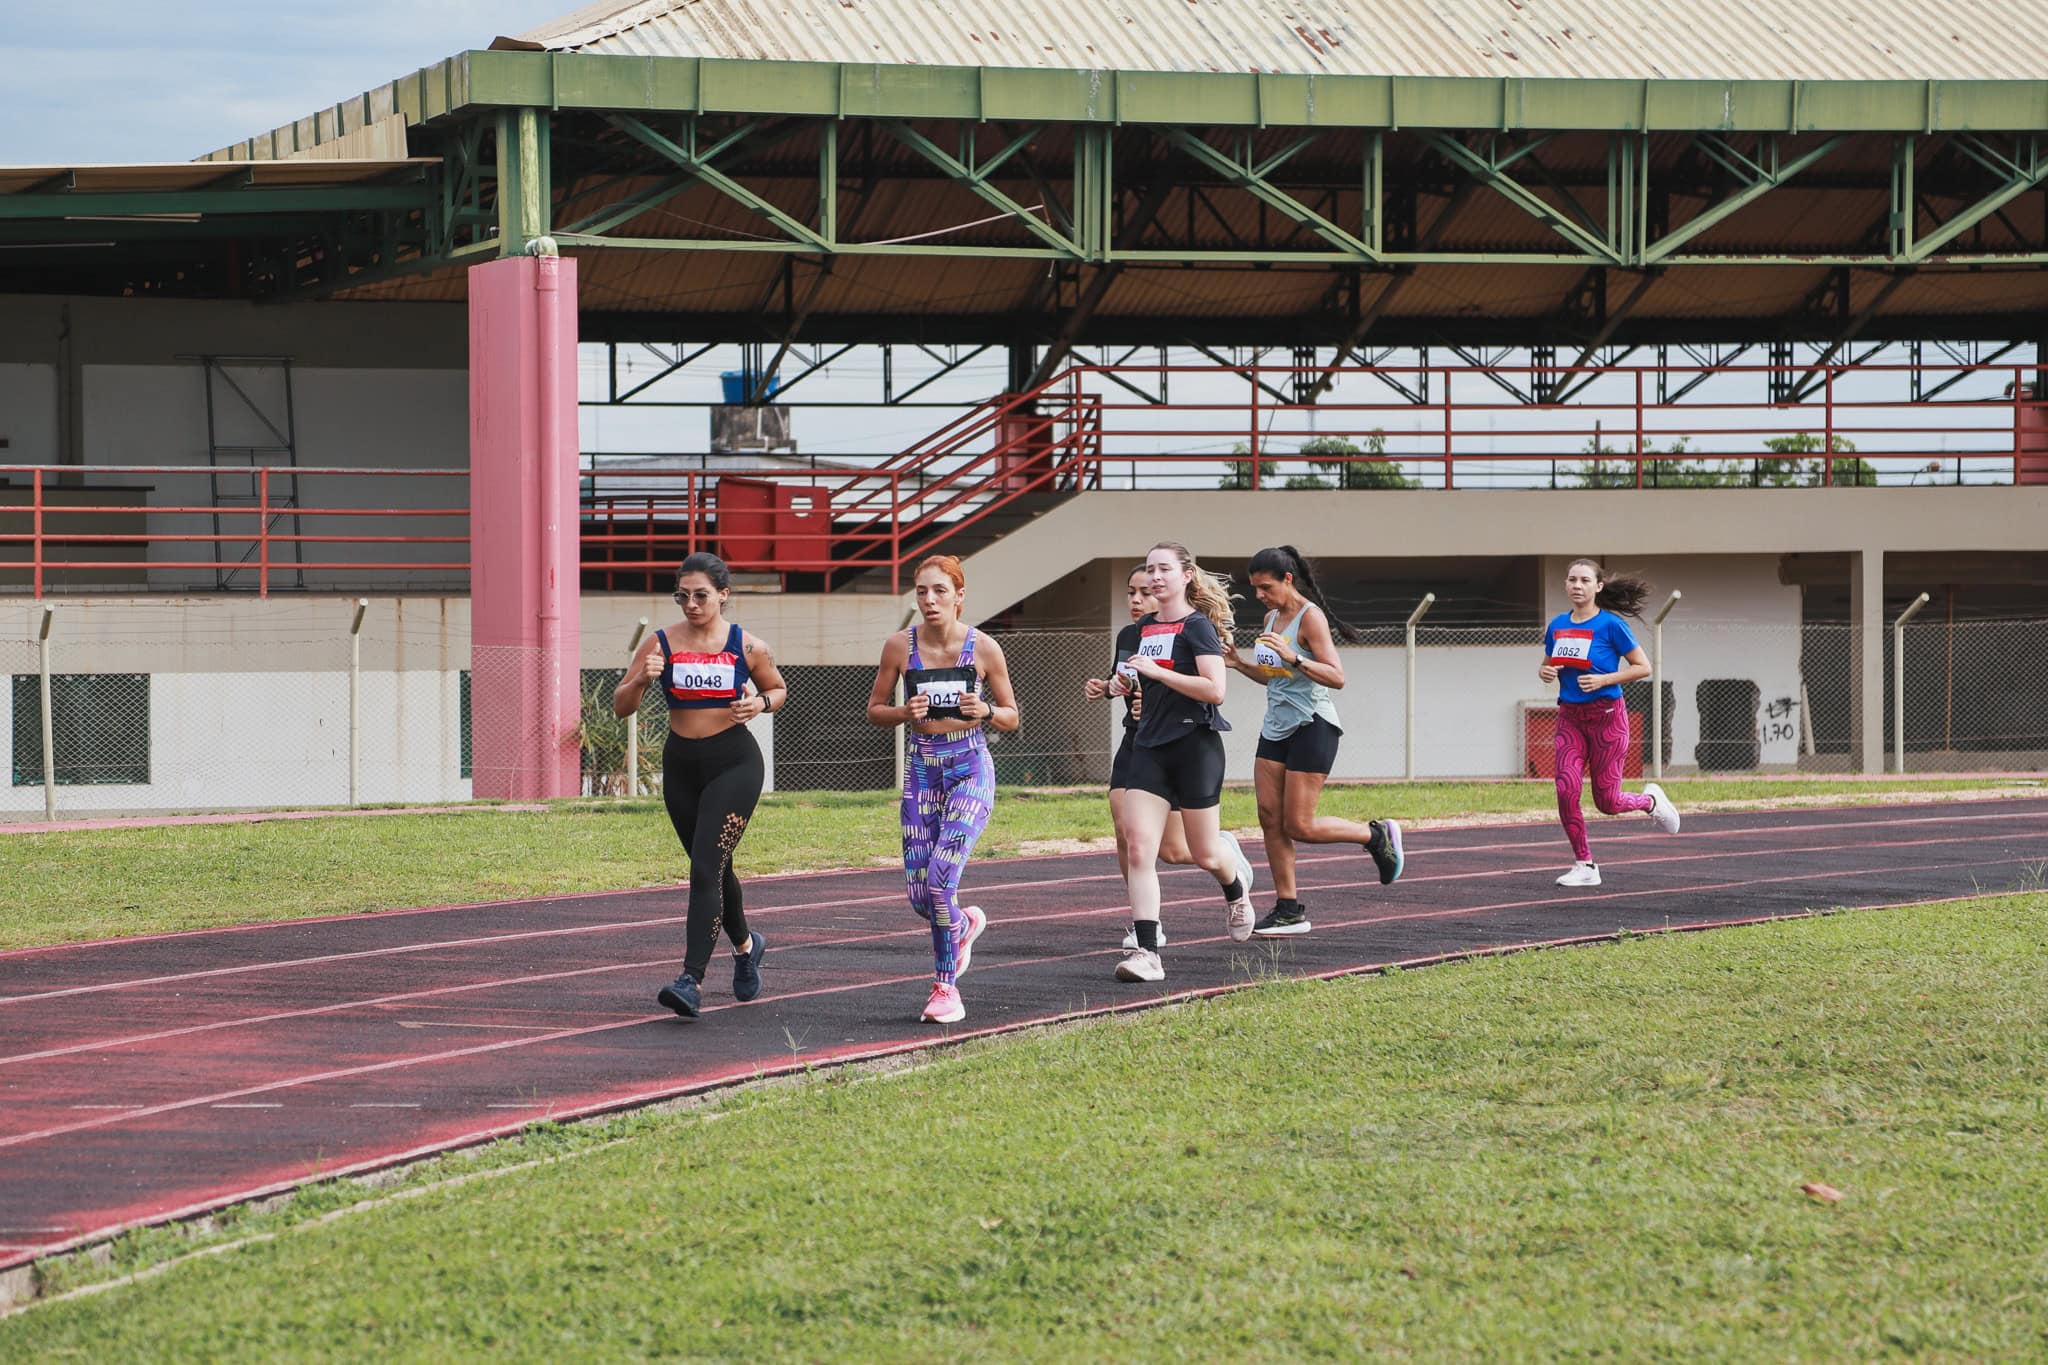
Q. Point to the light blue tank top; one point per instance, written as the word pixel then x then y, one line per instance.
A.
pixel 1293 699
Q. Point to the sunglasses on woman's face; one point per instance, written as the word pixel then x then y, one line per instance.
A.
pixel 700 597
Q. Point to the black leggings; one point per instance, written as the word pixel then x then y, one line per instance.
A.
pixel 710 786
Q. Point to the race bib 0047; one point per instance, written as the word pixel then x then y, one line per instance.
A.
pixel 943 695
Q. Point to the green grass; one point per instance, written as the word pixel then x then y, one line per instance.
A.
pixel 1594 1152
pixel 104 883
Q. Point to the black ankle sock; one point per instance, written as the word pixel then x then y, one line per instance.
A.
pixel 1148 934
pixel 1234 891
pixel 1287 903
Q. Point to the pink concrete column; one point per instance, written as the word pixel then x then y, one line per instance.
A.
pixel 524 578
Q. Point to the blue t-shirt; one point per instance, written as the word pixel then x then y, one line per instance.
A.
pixel 1594 645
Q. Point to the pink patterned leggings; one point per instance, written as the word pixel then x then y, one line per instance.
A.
pixel 1592 737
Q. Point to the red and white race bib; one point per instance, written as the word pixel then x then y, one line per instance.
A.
pixel 702 677
pixel 1571 649
pixel 1156 642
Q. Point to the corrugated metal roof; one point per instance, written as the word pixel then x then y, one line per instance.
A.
pixel 1625 39
pixel 192 175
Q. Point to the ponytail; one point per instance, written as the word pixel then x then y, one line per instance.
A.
pixel 1212 597
pixel 1282 560
pixel 1624 594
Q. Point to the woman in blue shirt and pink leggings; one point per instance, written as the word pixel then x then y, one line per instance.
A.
pixel 1589 652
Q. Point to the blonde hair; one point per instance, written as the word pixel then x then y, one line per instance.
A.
pixel 1208 593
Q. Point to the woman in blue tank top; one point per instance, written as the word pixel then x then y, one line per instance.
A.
pixel 716 677
pixel 1295 660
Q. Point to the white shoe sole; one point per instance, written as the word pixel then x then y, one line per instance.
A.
pixel 1568 880
pixel 1239 919
pixel 976 923
pixel 1280 930
pixel 1128 970
pixel 1246 873
pixel 951 1017
pixel 1664 813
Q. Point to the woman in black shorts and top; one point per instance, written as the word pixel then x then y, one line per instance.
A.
pixel 1295 660
pixel 716 677
pixel 1173 844
pixel 1177 753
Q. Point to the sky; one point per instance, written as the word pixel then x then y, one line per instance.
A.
pixel 125 80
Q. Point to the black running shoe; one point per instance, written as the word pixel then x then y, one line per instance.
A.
pixel 1288 917
pixel 681 996
pixel 746 969
pixel 1385 849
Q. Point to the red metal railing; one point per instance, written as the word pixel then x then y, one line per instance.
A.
pixel 263 531
pixel 1428 426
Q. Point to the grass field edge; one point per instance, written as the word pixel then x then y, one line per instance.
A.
pixel 21 1280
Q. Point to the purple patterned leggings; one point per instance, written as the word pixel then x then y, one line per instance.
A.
pixel 1592 737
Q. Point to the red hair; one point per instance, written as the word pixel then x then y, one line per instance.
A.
pixel 949 565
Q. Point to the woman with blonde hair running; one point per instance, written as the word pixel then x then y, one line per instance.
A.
pixel 1173 843
pixel 1177 753
pixel 1295 660
pixel 954 679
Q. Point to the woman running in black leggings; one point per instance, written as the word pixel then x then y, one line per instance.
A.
pixel 716 677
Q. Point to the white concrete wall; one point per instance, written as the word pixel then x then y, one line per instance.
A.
pixel 341 418
pixel 249 698
pixel 28 413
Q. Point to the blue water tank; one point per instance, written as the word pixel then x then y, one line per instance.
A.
pixel 739 383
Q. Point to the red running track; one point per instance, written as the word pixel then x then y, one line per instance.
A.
pixel 147 1079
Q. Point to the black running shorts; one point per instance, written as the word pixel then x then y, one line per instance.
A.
pixel 1187 773
pixel 1312 748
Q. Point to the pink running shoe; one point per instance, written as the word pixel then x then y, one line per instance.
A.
pixel 944 1007
pixel 963 942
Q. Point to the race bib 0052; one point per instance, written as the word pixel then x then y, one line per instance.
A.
pixel 1571 649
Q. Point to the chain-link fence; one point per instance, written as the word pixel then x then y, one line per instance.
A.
pixel 148 713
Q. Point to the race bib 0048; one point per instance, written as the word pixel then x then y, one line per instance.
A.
pixel 701 677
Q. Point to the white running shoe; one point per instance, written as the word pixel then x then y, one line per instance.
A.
pixel 1245 875
pixel 1582 874
pixel 1140 964
pixel 1663 813
pixel 1131 936
pixel 963 948
pixel 1239 917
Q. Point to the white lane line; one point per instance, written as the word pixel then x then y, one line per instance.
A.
pixel 245 1106
pixel 382 1105
pixel 121 1108
pixel 509 1028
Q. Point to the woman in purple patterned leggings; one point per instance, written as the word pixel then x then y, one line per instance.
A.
pixel 1589 652
pixel 949 780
